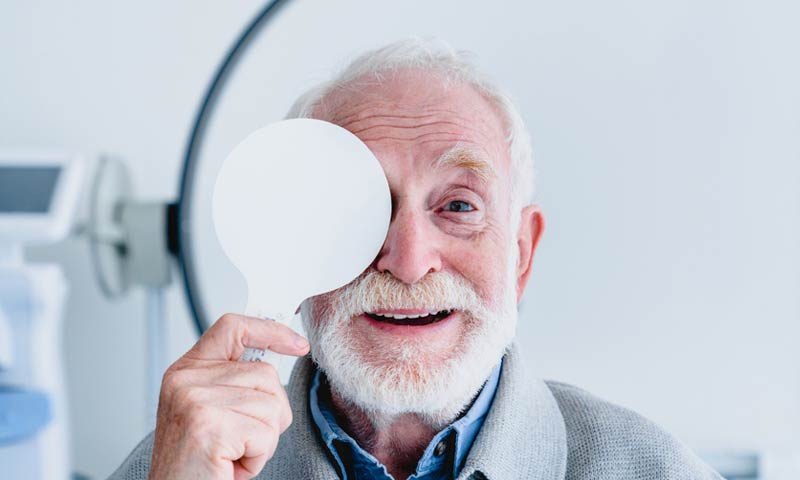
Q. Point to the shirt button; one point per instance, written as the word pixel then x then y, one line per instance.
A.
pixel 440 448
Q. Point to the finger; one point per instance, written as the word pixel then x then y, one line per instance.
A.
pixel 260 376
pixel 250 468
pixel 189 372
pixel 267 408
pixel 258 449
pixel 286 409
pixel 278 400
pixel 243 441
pixel 189 382
pixel 231 334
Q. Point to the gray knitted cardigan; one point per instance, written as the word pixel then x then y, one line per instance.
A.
pixel 534 430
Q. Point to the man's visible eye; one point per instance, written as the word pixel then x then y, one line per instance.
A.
pixel 459 206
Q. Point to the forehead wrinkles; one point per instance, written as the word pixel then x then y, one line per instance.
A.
pixel 373 121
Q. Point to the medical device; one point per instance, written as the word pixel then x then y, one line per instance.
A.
pixel 38 197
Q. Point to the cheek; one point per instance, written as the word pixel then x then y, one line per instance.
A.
pixel 322 308
pixel 484 268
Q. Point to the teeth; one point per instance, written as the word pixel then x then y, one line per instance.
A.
pixel 398 316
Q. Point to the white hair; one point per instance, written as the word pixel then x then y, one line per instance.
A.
pixel 452 65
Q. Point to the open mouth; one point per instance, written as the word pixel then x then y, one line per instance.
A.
pixel 412 320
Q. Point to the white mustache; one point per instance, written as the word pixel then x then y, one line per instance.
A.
pixel 374 290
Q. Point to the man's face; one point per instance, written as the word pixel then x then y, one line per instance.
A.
pixel 450 258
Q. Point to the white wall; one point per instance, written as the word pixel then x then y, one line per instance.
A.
pixel 666 139
pixel 122 78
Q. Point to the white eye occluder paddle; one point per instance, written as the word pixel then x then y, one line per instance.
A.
pixel 300 207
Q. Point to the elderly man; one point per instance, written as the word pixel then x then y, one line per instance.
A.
pixel 413 372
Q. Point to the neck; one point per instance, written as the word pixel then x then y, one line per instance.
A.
pixel 398 442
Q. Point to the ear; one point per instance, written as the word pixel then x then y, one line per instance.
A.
pixel 531 226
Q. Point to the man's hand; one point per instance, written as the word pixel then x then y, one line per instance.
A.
pixel 218 417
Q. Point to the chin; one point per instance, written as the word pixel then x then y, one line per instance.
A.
pixel 434 374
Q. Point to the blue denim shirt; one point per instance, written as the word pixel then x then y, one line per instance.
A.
pixel 443 458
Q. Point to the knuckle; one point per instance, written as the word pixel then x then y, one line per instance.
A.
pixel 229 321
pixel 277 413
pixel 264 373
pixel 188 398
pixel 174 367
pixel 288 418
pixel 171 383
pixel 270 427
pixel 217 445
pixel 171 380
pixel 286 408
pixel 273 416
pixel 267 371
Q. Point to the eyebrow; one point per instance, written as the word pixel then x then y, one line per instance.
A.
pixel 466 158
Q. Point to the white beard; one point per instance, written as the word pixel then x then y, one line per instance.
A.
pixel 393 378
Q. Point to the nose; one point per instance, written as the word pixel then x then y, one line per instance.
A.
pixel 409 252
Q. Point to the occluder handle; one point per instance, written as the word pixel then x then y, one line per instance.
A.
pixel 257 354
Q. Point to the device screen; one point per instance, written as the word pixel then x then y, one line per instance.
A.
pixel 27 189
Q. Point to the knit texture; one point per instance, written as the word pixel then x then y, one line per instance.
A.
pixel 534 430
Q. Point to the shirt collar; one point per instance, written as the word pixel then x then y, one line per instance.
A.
pixel 523 436
pixel 457 437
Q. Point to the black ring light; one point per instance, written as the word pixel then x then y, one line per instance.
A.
pixel 179 214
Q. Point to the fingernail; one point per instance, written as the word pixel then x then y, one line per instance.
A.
pixel 300 342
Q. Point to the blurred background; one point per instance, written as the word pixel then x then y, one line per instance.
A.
pixel 668 165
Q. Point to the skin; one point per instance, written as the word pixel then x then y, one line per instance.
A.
pixel 220 418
